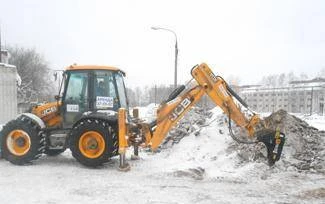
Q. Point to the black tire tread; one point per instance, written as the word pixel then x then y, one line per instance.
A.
pixel 37 140
pixel 103 127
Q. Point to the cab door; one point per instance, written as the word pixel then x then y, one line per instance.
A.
pixel 75 100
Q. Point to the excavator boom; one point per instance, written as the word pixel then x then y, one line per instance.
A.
pixel 180 102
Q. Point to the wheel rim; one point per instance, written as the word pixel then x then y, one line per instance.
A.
pixel 91 144
pixel 18 142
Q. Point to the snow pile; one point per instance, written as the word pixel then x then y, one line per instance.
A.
pixel 315 120
pixel 149 112
pixel 204 152
pixel 209 151
pixel 192 122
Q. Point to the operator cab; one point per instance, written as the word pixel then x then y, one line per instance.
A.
pixel 92 89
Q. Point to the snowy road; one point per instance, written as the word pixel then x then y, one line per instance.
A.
pixel 62 180
pixel 174 175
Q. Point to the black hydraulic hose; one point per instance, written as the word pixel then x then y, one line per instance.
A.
pixel 233 136
pixel 234 94
pixel 175 93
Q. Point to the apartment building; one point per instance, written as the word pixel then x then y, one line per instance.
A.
pixel 305 96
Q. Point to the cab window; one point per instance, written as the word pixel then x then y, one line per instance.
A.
pixel 105 92
pixel 77 91
pixel 121 90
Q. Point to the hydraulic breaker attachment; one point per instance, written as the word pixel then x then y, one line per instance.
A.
pixel 274 141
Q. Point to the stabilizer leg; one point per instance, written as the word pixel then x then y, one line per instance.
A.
pixel 135 155
pixel 123 144
pixel 124 166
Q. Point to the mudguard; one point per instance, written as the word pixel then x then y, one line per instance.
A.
pixel 35 118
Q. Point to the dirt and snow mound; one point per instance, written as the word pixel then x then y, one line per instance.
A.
pixel 303 142
pixel 304 147
pixel 208 143
pixel 192 121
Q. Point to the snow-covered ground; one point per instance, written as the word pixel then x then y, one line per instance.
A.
pixel 200 169
pixel 315 120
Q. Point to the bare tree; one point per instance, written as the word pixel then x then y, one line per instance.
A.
pixel 303 76
pixel 34 72
pixel 282 80
pixel 321 73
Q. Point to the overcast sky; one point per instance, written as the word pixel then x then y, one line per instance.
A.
pixel 247 39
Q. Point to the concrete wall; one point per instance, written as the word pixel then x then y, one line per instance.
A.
pixel 8 93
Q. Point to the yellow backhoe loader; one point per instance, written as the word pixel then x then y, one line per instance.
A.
pixel 91 117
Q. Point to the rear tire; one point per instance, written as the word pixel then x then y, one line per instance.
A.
pixel 22 141
pixel 93 141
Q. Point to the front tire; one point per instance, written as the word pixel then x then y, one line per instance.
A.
pixel 92 141
pixel 22 141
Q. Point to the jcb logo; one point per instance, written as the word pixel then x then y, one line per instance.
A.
pixel 48 111
pixel 180 109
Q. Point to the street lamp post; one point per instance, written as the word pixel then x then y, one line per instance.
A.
pixel 176 51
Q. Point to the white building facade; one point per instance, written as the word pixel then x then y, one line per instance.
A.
pixel 8 92
pixel 305 97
